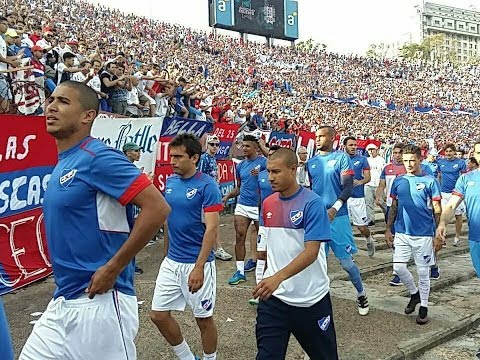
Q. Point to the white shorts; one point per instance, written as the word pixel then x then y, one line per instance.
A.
pixel 262 238
pixel 357 210
pixel 250 212
pixel 420 247
pixel 460 210
pixel 83 329
pixel 171 289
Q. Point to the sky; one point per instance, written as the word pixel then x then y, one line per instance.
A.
pixel 345 26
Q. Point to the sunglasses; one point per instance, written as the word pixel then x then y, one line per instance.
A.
pixel 214 144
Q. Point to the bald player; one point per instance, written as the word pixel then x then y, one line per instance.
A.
pixel 294 293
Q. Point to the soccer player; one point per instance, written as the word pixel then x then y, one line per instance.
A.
pixel 294 292
pixel 431 162
pixel 357 208
pixel 246 210
pixel 376 163
pixel 450 168
pixel 187 274
pixel 331 176
pixel 5 339
pixel 467 190
pixel 88 225
pixel 208 165
pixel 413 196
pixel 265 190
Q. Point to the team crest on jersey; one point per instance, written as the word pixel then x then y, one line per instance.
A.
pixel 269 215
pixel 296 217
pixel 331 163
pixel 67 177
pixel 356 163
pixel 168 191
pixel 348 248
pixel 420 186
pixel 263 180
pixel 427 258
pixel 323 323
pixel 314 166
pixel 191 193
pixel 455 166
pixel 206 304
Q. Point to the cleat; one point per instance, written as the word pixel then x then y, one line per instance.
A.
pixel 422 318
pixel 396 281
pixel 412 304
pixel 434 273
pixel 371 248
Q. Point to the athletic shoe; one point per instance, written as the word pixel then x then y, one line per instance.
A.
pixel 396 281
pixel 422 318
pixel 250 265
pixel 456 242
pixel 412 304
pixel 371 223
pixel 370 248
pixel 152 242
pixel 138 271
pixel 237 278
pixel 434 273
pixel 253 302
pixel 222 254
pixel 362 303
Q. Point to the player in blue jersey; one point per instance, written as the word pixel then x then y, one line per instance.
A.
pixel 331 177
pixel 246 209
pixel 450 168
pixel 431 162
pixel 414 195
pixel 265 190
pixel 356 205
pixel 294 293
pixel 188 274
pixel 208 165
pixel 467 189
pixel 5 339
pixel 91 242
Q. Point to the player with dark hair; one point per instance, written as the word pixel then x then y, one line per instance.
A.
pixel 92 239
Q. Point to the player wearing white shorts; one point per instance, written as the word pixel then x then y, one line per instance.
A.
pixel 356 205
pixel 187 274
pixel 246 209
pixel 88 223
pixel 413 196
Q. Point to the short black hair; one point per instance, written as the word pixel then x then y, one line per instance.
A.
pixel 449 146
pixel 347 139
pixel 191 143
pixel 87 96
pixel 3 18
pixel 274 147
pixel 250 138
pixel 473 160
pixel 68 55
pixel 110 64
pixel 84 62
pixel 400 146
pixel 96 60
pixel 182 79
pixel 412 149
pixel 288 156
pixel 461 151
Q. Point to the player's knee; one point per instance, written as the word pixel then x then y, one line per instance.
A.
pixel 159 317
pixel 347 264
pixel 400 268
pixel 423 272
pixel 205 323
pixel 262 255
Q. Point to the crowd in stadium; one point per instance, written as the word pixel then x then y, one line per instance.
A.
pixel 142 67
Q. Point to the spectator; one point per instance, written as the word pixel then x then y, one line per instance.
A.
pixel 65 69
pixel 5 61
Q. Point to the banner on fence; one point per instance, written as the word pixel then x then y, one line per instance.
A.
pixel 227 134
pixel 144 132
pixel 282 139
pixel 27 157
pixel 226 177
pixel 306 139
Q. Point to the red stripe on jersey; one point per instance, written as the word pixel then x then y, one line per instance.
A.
pixel 457 193
pixel 348 172
pixel 437 198
pixel 213 208
pixel 140 183
pixel 367 168
pixel 84 144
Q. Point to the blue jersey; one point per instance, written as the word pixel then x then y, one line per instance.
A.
pixel 427 170
pixel 265 189
pixel 432 166
pixel 415 194
pixel 468 188
pixel 189 199
pixel 450 171
pixel 208 165
pixel 360 163
pixel 325 172
pixel 249 195
pixel 86 217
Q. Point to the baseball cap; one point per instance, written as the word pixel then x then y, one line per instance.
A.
pixel 212 138
pixel 36 48
pixel 372 146
pixel 130 146
pixel 12 33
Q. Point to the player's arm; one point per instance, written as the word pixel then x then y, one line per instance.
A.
pixel 366 178
pixel 392 214
pixel 154 211
pixel 346 180
pixel 232 194
pixel 263 147
pixel 448 212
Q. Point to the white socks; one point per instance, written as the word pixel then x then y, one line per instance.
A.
pixel 210 356
pixel 241 267
pixel 183 351
pixel 259 270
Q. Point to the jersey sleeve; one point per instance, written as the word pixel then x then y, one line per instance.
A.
pixel 237 171
pixel 346 167
pixel 382 175
pixel 263 165
pixel 201 164
pixel 460 187
pixel 212 199
pixel 317 226
pixel 463 166
pixel 435 190
pixel 366 165
pixel 113 174
pixel 393 190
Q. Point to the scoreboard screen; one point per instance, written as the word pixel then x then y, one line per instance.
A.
pixel 270 18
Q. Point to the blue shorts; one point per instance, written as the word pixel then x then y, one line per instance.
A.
pixel 342 244
pixel 475 254
pixel 5 340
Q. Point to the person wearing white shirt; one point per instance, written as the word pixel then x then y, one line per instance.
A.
pixel 302 174
pixel 377 163
pixel 134 108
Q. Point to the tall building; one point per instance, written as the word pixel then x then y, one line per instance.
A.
pixel 461 28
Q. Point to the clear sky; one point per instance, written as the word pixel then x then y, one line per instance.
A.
pixel 345 26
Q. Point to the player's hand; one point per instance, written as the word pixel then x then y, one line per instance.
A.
pixel 266 287
pixel 195 279
pixel 377 201
pixel 224 201
pixel 331 214
pixel 102 281
pixel 356 182
pixel 441 233
pixel 389 238
pixel 437 244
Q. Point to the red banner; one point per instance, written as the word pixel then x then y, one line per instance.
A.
pixel 27 157
pixel 227 134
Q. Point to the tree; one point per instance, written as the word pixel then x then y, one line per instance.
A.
pixel 431 47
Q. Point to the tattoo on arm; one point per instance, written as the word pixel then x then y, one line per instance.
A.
pixel 392 213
